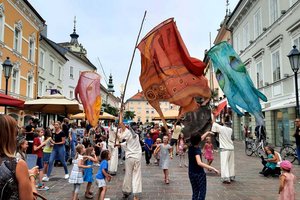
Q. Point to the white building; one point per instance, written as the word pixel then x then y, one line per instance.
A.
pixel 263 33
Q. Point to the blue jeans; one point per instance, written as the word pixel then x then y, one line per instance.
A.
pixel 298 153
pixel 57 152
pixel 72 145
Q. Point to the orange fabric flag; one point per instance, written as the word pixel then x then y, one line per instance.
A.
pixel 88 91
pixel 221 106
pixel 168 72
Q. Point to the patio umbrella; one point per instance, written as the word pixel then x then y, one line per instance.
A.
pixel 105 115
pixel 54 104
pixel 169 114
pixel 6 100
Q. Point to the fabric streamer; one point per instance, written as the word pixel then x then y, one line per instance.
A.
pixel 87 91
pixel 168 72
pixel 235 82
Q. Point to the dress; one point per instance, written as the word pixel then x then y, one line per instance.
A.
pixel 164 156
pixel 208 152
pixel 288 191
pixel 88 173
pixel 76 176
pixel 181 147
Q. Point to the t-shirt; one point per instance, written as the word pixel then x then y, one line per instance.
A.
pixel 29 128
pixel 37 142
pixel 58 137
pixel 103 165
pixel 65 129
pixel 193 165
pixel 271 165
pixel 48 147
pixel 149 142
pixel 224 136
pixel 176 132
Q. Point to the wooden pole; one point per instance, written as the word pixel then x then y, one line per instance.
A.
pixel 127 77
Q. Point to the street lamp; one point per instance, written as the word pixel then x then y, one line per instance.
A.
pixel 7 68
pixel 294 57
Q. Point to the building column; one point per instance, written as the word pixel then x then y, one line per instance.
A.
pixel 270 126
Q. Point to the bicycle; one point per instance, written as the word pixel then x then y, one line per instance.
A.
pixel 252 147
pixel 288 152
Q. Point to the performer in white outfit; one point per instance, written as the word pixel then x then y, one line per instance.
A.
pixel 226 151
pixel 133 154
pixel 113 162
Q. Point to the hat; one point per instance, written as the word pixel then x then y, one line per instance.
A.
pixel 287 165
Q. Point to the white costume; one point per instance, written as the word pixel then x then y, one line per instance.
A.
pixel 133 154
pixel 226 152
pixel 113 162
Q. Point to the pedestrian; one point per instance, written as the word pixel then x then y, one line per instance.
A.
pixel 297 138
pixel 73 140
pixel 16 181
pixel 148 148
pixel 38 151
pixel 114 151
pixel 88 172
pixel 103 174
pixel 154 146
pixel 133 153
pixel 76 176
pixel 286 180
pixel 208 150
pixel 47 149
pixel 65 129
pixel 181 150
pixel 154 132
pixel 271 162
pixel 165 151
pixel 58 151
pixel 22 146
pixel 176 132
pixel 226 150
pixel 197 174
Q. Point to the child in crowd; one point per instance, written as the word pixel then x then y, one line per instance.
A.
pixel 180 150
pixel 22 146
pixel 165 150
pixel 76 176
pixel 154 146
pixel 38 150
pixel 47 149
pixel 270 166
pixel 287 180
pixel 103 174
pixel 208 150
pixel 88 172
pixel 148 148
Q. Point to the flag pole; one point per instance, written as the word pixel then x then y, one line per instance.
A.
pixel 128 73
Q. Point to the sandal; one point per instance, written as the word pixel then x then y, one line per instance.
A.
pixel 167 181
pixel 88 196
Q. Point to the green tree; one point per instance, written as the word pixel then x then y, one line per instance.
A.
pixel 110 110
pixel 129 115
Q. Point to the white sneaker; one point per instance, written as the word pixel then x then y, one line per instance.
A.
pixel 66 176
pixel 45 179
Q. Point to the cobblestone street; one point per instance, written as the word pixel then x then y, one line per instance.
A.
pixel 249 184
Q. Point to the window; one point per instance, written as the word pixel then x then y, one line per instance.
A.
pixel 237 43
pixel 31 49
pixel 273 11
pixel 71 72
pixel 71 94
pixel 42 59
pixel 147 111
pixel 50 85
pixel 59 72
pixel 246 37
pixel 29 86
pixel 17 40
pixel 41 87
pixel 51 66
pixel 257 24
pixel 15 81
pixel 296 42
pixel 276 66
pixel 2 22
pixel 259 75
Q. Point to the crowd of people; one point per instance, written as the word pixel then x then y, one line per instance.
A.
pixel 87 146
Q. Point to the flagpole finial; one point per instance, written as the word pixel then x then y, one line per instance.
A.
pixel 74 24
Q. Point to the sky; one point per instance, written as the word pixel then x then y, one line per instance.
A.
pixel 108 29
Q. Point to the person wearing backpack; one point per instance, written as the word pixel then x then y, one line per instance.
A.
pixel 16 181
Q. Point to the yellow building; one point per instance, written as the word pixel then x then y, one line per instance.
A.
pixel 144 112
pixel 20 26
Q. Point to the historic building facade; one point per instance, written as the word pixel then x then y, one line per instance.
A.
pixel 20 26
pixel 263 34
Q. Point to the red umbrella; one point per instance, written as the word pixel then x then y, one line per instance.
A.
pixel 6 100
